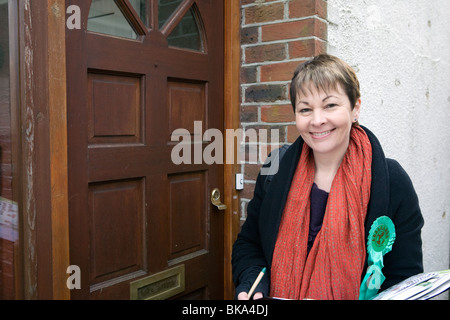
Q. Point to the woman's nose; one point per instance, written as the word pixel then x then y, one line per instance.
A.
pixel 318 118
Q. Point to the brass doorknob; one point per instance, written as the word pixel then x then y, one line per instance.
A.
pixel 215 199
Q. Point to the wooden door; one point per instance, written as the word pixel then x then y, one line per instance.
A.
pixel 140 225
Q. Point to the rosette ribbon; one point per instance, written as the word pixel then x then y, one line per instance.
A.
pixel 380 241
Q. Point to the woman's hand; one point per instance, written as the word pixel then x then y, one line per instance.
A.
pixel 244 296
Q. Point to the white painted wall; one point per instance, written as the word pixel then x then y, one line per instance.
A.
pixel 401 53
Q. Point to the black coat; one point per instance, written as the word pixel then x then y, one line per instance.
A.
pixel 392 195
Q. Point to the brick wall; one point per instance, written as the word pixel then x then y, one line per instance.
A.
pixel 276 36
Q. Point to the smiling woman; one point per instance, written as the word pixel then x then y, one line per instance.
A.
pixel 324 120
pixel 309 228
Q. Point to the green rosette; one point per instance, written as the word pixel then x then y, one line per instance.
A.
pixel 381 236
pixel 380 241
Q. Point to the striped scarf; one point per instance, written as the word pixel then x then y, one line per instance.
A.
pixel 333 268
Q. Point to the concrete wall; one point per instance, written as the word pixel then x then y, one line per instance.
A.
pixel 401 52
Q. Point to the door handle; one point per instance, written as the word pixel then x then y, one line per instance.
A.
pixel 215 199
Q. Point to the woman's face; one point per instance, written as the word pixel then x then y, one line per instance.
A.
pixel 324 120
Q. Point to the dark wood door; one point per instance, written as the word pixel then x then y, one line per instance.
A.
pixel 137 71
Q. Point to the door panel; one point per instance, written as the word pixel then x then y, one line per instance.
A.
pixel 184 96
pixel 187 214
pixel 116 109
pixel 117 214
pixel 133 212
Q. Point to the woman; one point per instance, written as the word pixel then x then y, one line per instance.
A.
pixel 310 227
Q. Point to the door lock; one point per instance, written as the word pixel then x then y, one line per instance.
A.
pixel 215 199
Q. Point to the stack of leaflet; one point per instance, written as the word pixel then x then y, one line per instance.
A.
pixel 422 286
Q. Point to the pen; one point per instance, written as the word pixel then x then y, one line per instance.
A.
pixel 261 274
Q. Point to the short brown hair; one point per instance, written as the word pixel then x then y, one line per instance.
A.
pixel 324 72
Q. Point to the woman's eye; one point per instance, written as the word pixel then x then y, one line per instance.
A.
pixel 331 105
pixel 304 110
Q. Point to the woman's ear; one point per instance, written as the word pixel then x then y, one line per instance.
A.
pixel 357 109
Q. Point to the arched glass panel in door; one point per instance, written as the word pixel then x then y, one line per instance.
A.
pixel 108 17
pixel 187 34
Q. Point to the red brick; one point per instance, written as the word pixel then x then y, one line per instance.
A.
pixel 249 114
pixel 306 48
pixel 249 35
pixel 270 52
pixel 278 71
pixel 306 8
pixel 249 74
pixel 266 92
pixel 264 13
pixel 277 113
pixel 294 29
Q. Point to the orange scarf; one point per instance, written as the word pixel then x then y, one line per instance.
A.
pixel 333 268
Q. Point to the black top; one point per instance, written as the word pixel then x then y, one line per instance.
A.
pixel 318 201
pixel 392 195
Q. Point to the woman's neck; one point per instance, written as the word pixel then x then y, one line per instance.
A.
pixel 326 167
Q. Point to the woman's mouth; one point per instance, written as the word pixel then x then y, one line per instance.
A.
pixel 318 135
